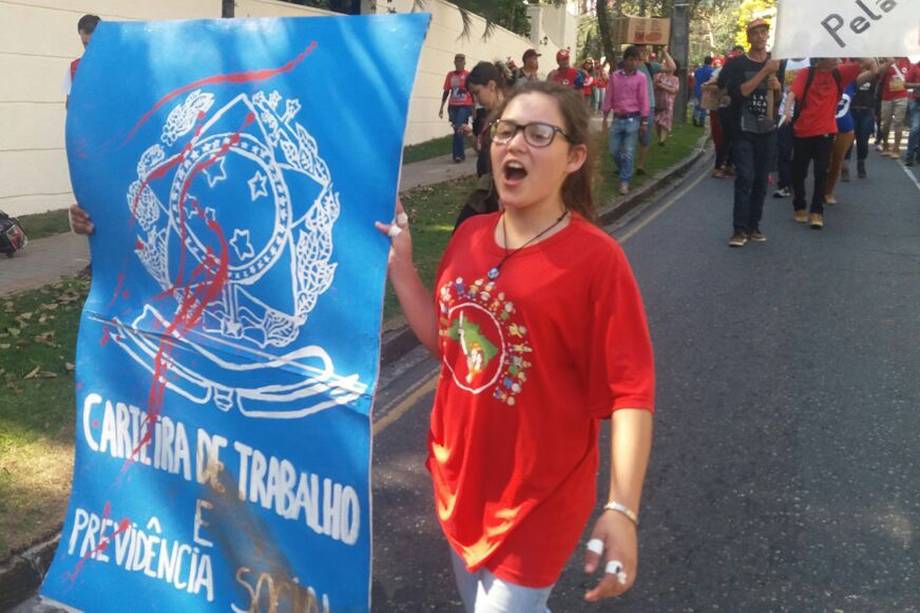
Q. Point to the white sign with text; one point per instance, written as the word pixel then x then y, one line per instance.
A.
pixel 847 28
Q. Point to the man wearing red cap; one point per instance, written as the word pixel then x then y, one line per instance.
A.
pixel 564 74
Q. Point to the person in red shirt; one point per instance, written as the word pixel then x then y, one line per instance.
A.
pixel 601 79
pixel 460 105
pixel 893 86
pixel 541 333
pixel 587 81
pixel 913 114
pixel 85 28
pixel 815 94
pixel 564 74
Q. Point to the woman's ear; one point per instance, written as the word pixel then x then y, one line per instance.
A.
pixel 577 156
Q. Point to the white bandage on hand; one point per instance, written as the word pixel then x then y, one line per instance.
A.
pixel 615 567
pixel 402 220
pixel 394 231
pixel 596 546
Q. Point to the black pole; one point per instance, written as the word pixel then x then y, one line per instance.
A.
pixel 227 8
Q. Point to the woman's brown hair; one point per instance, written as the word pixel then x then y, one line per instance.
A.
pixel 577 189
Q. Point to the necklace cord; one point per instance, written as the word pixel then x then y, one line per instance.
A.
pixel 494 272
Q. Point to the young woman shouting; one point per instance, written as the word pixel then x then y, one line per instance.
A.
pixel 541 333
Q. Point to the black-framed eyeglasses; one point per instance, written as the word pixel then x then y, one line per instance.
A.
pixel 537 133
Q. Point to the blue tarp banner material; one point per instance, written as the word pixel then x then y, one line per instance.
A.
pixel 228 351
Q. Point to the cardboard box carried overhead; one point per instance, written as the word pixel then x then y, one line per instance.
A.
pixel 642 30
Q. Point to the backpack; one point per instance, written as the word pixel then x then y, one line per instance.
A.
pixel 800 104
pixel 12 236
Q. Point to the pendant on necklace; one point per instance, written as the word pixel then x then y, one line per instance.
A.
pixel 492 274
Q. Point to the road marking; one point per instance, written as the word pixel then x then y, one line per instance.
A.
pixel 909 174
pixel 664 207
pixel 405 404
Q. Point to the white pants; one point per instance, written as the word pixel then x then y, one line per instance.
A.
pixel 483 592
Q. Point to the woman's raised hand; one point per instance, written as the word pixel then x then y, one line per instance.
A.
pixel 80 221
pixel 400 239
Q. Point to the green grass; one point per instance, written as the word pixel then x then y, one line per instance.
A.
pixel 681 143
pixel 49 223
pixel 38 331
pixel 432 212
pixel 433 148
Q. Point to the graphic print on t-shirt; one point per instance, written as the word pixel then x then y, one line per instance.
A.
pixel 755 109
pixel 843 105
pixel 481 344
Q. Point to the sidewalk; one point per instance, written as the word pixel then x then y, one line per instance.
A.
pixel 48 259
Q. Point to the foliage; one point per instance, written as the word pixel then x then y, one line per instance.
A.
pixel 712 24
pixel 749 10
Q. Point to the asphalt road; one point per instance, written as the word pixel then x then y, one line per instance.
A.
pixel 783 475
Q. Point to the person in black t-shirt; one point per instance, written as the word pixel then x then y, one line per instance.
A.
pixel 751 82
pixel 863 109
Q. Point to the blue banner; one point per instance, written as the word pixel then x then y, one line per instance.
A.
pixel 228 350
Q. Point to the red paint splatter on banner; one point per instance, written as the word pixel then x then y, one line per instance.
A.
pixel 235 77
pixel 118 285
pixel 204 284
pixel 104 542
pixel 105 337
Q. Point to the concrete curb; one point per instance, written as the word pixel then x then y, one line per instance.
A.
pixel 22 574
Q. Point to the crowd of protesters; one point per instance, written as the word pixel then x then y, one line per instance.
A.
pixel 767 118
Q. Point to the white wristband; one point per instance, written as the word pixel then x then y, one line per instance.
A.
pixel 613 505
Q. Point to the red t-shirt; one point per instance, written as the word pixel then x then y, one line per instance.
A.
pixel 914 77
pixel 455 83
pixel 588 84
pixel 530 363
pixel 819 116
pixel 893 80
pixel 565 77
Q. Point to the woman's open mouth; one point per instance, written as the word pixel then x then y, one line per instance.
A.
pixel 514 172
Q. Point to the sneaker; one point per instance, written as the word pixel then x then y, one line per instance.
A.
pixel 624 188
pixel 861 169
pixel 757 236
pixel 738 239
pixel 718 173
pixel 845 174
pixel 816 221
pixel 782 192
pixel 800 216
pixel 830 199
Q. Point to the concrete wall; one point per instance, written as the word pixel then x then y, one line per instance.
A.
pixel 38 40
pixel 443 42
